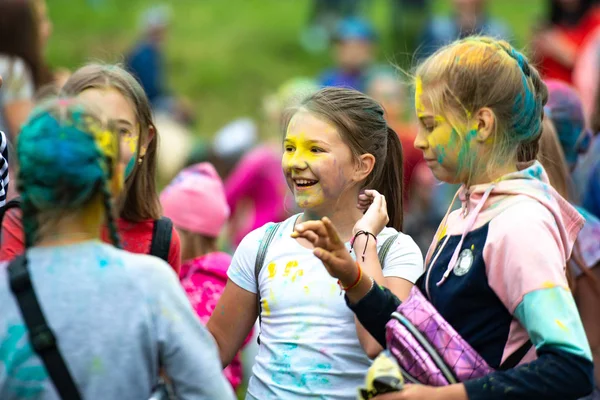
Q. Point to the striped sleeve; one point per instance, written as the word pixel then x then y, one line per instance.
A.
pixel 4 178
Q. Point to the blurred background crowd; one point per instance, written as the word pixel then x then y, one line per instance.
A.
pixel 220 74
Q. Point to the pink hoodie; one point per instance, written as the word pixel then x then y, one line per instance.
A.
pixel 203 280
pixel 513 210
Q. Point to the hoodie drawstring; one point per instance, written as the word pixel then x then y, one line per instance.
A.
pixel 469 225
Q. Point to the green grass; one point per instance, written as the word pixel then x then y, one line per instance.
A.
pixel 225 55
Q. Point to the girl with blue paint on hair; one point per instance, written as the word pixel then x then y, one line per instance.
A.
pixel 122 100
pixel 118 317
pixel 495 270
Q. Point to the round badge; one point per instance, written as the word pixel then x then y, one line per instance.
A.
pixel 464 263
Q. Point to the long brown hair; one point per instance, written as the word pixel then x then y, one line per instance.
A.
pixel 552 158
pixel 20 37
pixel 139 200
pixel 360 122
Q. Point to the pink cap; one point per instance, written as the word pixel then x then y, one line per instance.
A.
pixel 195 200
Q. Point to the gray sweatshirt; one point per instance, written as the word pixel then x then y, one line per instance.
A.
pixel 117 317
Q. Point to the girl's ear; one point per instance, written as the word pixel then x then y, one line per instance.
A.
pixel 485 119
pixel 365 165
pixel 144 145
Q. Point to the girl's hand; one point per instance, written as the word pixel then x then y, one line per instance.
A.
pixel 329 248
pixel 373 204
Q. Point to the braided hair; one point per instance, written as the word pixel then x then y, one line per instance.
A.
pixel 66 157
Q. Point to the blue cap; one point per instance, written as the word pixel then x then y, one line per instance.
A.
pixel 355 28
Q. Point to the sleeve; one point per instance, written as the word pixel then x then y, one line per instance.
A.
pixel 404 260
pixel 563 369
pixel 4 177
pixel 175 252
pixel 188 352
pixel 241 271
pixel 12 239
pixel 19 84
pixel 374 310
pixel 526 270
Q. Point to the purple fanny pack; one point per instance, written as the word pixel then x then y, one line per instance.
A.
pixel 430 351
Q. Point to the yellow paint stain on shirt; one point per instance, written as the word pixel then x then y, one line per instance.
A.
pixel 548 285
pixel 272 270
pixel 298 273
pixel 334 289
pixel 266 307
pixel 306 290
pixel 472 247
pixel 289 266
pixel 561 325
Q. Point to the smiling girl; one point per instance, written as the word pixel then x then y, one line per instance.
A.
pixel 496 267
pixel 336 144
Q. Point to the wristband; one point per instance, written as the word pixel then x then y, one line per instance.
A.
pixel 357 234
pixel 356 282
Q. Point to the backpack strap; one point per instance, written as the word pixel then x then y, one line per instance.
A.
pixel 41 337
pixel 161 238
pixel 385 248
pixel 259 264
pixel 14 203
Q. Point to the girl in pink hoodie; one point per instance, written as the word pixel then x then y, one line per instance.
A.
pixel 495 270
pixel 195 202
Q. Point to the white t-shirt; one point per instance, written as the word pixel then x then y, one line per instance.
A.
pixel 309 346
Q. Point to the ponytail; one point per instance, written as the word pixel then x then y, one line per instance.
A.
pixel 390 182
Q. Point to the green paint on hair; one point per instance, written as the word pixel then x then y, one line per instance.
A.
pixel 130 165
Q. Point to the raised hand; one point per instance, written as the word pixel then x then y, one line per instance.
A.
pixel 375 217
pixel 329 248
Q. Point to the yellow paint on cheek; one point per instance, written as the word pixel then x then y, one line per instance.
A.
pixel 132 142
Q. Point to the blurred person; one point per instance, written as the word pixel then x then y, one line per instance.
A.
pixel 583 271
pixel 116 318
pixel 230 143
pixel 385 87
pixel 324 17
pixel 336 144
pixel 468 17
pixel 120 99
pixel 565 109
pixel 146 63
pixel 586 73
pixel 195 202
pixel 354 54
pixel 558 42
pixel 24 32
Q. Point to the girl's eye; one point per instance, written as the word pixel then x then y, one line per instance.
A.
pixel 289 148
pixel 124 132
pixel 317 150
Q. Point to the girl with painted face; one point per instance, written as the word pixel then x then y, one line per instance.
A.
pixel 121 100
pixel 118 317
pixel 495 270
pixel 336 144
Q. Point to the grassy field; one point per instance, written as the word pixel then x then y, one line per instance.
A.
pixel 226 55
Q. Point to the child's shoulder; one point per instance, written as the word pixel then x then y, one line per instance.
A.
pixel 255 238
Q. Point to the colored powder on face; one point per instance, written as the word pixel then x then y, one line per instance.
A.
pixel 465 155
pixel 130 166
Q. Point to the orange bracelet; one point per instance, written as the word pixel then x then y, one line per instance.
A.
pixel 355 282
